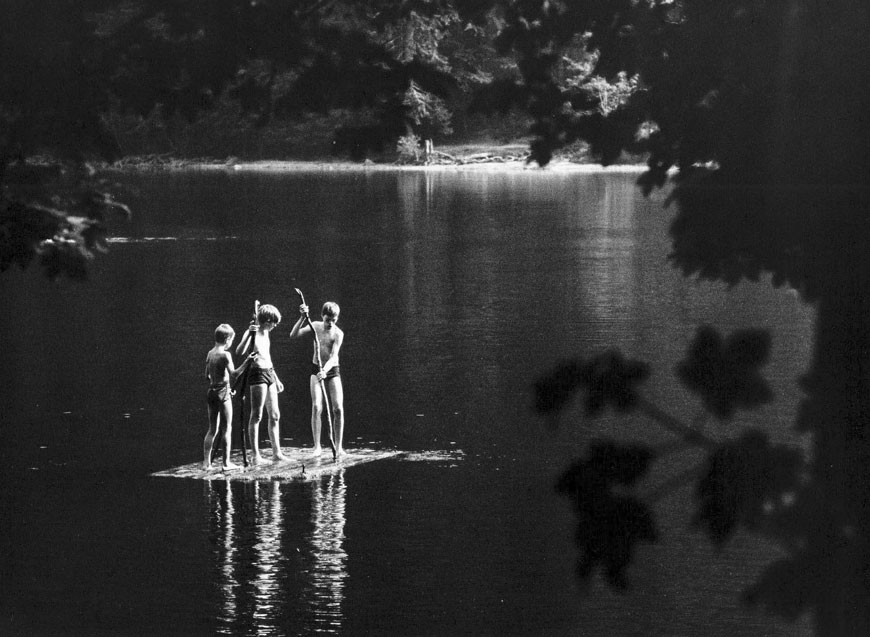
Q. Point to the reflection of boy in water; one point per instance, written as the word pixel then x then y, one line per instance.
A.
pixel 220 371
pixel 331 338
pixel 263 381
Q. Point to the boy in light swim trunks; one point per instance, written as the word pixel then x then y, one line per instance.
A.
pixel 220 371
pixel 263 381
pixel 331 338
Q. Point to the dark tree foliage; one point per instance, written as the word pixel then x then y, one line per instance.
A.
pixel 65 65
pixel 761 110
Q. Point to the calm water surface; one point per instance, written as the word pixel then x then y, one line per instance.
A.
pixel 458 289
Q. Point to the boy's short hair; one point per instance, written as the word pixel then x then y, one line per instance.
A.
pixel 268 313
pixel 223 333
pixel 330 309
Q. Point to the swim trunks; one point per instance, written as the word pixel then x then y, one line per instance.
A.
pixel 218 394
pixel 332 373
pixel 261 376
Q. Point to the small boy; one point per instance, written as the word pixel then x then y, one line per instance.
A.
pixel 220 371
pixel 263 381
pixel 330 338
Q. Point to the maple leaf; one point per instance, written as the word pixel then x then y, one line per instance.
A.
pixel 725 372
pixel 609 524
pixel 609 379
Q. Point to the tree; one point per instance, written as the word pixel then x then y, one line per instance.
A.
pixel 760 110
pixel 63 69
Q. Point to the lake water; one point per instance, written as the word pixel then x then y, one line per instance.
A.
pixel 458 290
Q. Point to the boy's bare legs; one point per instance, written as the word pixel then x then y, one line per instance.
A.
pixel 316 413
pixel 274 420
pixel 227 415
pixel 258 400
pixel 208 443
pixel 336 396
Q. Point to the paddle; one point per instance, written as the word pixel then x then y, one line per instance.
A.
pixel 241 384
pixel 320 380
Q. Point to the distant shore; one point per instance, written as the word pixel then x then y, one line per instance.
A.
pixel 463 157
pixel 269 165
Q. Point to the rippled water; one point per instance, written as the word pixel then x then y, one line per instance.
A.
pixel 458 289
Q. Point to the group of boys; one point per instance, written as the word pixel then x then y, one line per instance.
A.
pixel 264 385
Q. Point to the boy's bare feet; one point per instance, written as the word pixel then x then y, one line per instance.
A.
pixel 317 451
pixel 257 459
pixel 279 457
pixel 206 466
pixel 229 466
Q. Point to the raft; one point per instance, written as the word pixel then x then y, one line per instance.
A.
pixel 300 465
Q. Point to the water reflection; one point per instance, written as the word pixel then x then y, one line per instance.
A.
pixel 278 570
pixel 268 558
pixel 608 257
pixel 223 515
pixel 326 540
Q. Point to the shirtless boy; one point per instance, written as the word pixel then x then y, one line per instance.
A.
pixel 263 381
pixel 331 338
pixel 220 371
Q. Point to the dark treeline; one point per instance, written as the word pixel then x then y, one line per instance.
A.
pixel 86 82
pixel 755 114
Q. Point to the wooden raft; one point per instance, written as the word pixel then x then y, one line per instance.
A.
pixel 300 465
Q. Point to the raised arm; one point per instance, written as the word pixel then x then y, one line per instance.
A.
pixel 247 339
pixel 300 328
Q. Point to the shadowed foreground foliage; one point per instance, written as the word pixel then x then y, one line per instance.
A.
pixel 760 110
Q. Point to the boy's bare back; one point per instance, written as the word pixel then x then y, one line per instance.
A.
pixel 218 363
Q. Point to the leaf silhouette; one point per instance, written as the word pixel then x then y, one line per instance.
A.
pixel 724 372
pixel 742 480
pixel 609 524
pixel 553 391
pixel 608 378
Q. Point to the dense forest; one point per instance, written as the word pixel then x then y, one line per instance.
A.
pixel 755 114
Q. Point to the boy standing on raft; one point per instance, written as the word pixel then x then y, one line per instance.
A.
pixel 263 381
pixel 220 371
pixel 330 338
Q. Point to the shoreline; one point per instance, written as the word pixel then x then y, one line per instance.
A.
pixel 277 166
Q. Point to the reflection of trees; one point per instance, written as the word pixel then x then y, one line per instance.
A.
pixel 251 531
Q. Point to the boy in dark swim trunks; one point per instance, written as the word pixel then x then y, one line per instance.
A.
pixel 331 338
pixel 263 381
pixel 220 371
